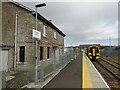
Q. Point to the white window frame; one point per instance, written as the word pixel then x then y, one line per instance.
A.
pixel 55 35
pixel 45 31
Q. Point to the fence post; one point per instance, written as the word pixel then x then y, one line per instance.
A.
pixel 68 58
pixel 3 79
pixel 0 80
pixel 61 61
pixel 42 71
pixel 54 63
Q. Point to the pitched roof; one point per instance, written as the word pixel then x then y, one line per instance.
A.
pixel 40 17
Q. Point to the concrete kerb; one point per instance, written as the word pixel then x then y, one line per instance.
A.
pixel 41 85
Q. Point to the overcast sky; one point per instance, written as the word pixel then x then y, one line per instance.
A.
pixel 83 22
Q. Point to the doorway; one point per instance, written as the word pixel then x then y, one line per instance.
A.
pixel 4 60
pixel 56 53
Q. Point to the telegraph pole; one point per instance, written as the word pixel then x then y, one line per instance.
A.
pixel 110 41
pixel 110 46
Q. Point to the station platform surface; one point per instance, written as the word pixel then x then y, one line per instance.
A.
pixel 69 77
pixel 91 78
pixel 79 73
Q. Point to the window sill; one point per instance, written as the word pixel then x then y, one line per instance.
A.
pixel 48 59
pixel 21 63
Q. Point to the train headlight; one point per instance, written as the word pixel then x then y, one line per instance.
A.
pixel 90 53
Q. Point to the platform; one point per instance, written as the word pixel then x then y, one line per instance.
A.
pixel 91 78
pixel 69 77
pixel 79 73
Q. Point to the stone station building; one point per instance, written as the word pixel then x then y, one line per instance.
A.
pixel 51 44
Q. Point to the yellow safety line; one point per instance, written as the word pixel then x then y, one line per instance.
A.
pixel 86 79
pixel 83 71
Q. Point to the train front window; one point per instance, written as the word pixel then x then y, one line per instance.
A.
pixel 90 50
pixel 97 51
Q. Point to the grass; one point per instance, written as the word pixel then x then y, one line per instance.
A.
pixel 115 59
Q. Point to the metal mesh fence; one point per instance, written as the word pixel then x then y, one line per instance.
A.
pixel 25 74
pixel 111 53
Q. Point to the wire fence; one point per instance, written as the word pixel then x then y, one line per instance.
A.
pixel 25 74
pixel 111 53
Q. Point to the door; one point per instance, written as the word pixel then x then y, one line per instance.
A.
pixel 5 60
pixel 22 54
pixel 56 53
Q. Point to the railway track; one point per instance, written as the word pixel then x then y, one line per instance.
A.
pixel 110 67
pixel 109 72
pixel 111 62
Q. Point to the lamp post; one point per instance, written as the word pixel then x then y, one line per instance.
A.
pixel 36 59
pixel 72 51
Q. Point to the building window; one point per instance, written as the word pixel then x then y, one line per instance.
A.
pixel 41 53
pixel 22 54
pixel 48 52
pixel 55 35
pixel 45 31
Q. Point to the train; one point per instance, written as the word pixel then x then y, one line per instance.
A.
pixel 93 52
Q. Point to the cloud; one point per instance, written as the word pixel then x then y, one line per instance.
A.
pixel 83 22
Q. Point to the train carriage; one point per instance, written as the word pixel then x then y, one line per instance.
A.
pixel 93 52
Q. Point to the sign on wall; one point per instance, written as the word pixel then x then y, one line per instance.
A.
pixel 36 34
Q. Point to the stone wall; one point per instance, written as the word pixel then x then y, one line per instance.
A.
pixel 0 23
pixel 0 45
pixel 26 23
